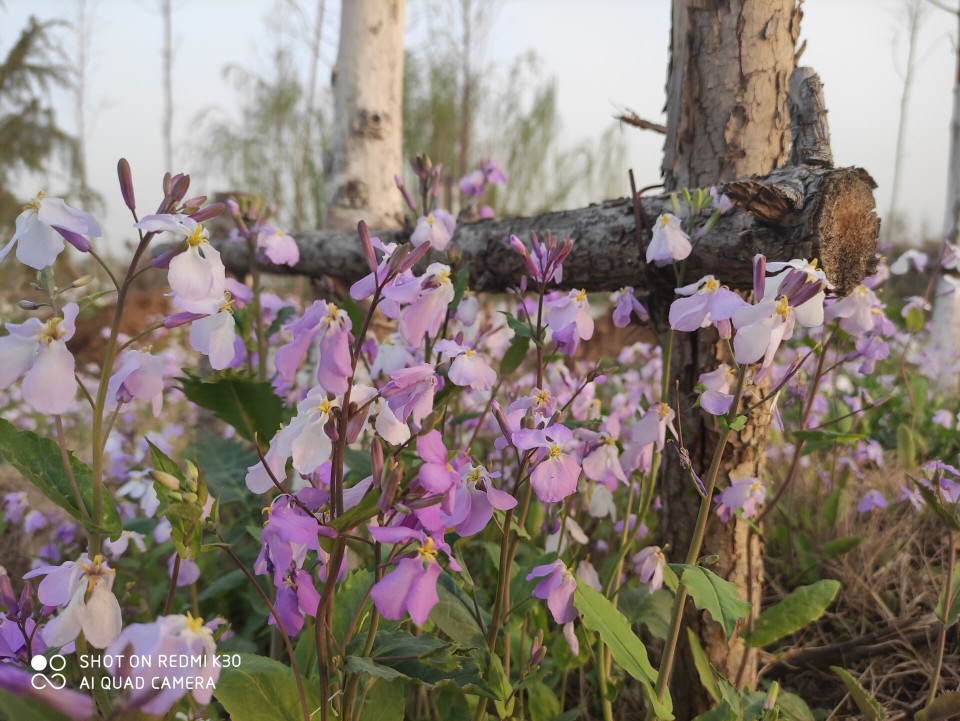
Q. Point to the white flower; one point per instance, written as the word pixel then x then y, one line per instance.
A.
pixel 198 273
pixel 42 227
pixel 669 242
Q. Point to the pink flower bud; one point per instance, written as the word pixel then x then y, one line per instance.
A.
pixel 367 245
pixel 211 211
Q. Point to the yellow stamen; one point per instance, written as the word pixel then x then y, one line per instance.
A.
pixel 783 307
pixel 664 221
pixel 35 203
pixel 324 406
pixel 194 623
pixel 196 237
pixel 581 295
pixel 712 285
pixel 51 330
pixel 427 550
pixel 663 410
pixel 555 450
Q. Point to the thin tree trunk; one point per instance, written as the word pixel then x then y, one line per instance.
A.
pixel 302 187
pixel 946 308
pixel 914 11
pixel 166 10
pixel 82 31
pixel 727 117
pixel 368 107
pixel 466 94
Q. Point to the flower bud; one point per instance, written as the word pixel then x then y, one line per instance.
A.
pixel 205 214
pixel 167 480
pixel 178 187
pixel 367 245
pixel 78 241
pixel 190 497
pixel 376 461
pixel 192 472
pixel 126 183
pixel 81 281
pixel 27 305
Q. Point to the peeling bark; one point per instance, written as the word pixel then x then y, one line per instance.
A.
pixel 368 106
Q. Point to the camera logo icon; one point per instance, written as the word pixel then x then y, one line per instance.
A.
pixel 54 665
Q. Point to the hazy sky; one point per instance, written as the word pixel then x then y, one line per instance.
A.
pixel 604 54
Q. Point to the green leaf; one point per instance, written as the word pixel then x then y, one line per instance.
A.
pixel 723 711
pixel 708 675
pixel 91 300
pixel 261 689
pixel 713 594
pixel 384 702
pixel 948 619
pixel 460 282
pixel 224 462
pixel 38 460
pixel 500 685
pixel 649 609
pixel 601 616
pixel 793 708
pixel 251 407
pixel 824 436
pixel 283 315
pixel 454 614
pixel 802 606
pixel 738 423
pixel 943 708
pixel 839 546
pixel 868 705
pixel 356 313
pixel 514 356
pixel 14 708
pixel 366 509
pixel 350 594
pixel 932 500
pixel 518 327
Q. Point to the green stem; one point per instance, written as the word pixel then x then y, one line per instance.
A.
pixel 948 600
pixel 696 543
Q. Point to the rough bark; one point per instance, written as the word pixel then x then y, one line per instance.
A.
pixel 790 214
pixel 368 106
pixel 727 114
pixel 727 117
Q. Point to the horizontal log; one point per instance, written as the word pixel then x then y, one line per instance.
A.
pixel 795 212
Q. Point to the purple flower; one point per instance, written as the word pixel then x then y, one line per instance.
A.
pixel 296 597
pixel 872 500
pixel 625 304
pixel 411 587
pixel 84 590
pixel 42 227
pixel 743 494
pixel 410 392
pixel 669 242
pixel 546 263
pixel 556 473
pixel 140 376
pixel 477 500
pixel 72 704
pixel 14 504
pixel 716 397
pixel 570 314
pixel 38 351
pixel 706 302
pixel 473 184
pixel 286 538
pixel 167 637
pixel 437 474
pixel 649 564
pixel 856 310
pixel 557 586
pixel 912 258
pixel 425 314
pixel 493 174
pixel 468 368
pixel 331 324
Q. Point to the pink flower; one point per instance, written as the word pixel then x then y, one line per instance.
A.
pixel 602 464
pixel 477 500
pixel 140 376
pixel 425 314
pixel 438 474
pixel 435 228
pixel 706 302
pixel 556 473
pixel 557 586
pixel 546 262
pixel 42 227
pixel 716 398
pixel 626 304
pixel 278 247
pixel 155 686
pixel 467 368
pixel 38 351
pixel 412 586
pixel 568 310
pixel 473 184
pixel 331 324
pixel 744 494
pixel 84 591
pixel 410 392
pixel 856 311
pixel 669 242
pixel 649 564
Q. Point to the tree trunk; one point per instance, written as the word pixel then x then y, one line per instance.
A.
pixel 166 12
pixel 727 117
pixel 368 107
pixel 946 307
